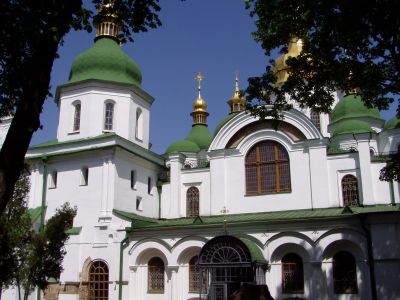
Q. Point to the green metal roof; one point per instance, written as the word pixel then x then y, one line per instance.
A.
pixel 183 146
pixel 393 123
pixel 35 213
pixel 225 120
pixel 352 126
pixel 139 222
pixel 105 61
pixel 352 107
pixel 74 231
pixel 255 251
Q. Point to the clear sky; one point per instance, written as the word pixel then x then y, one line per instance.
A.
pixel 208 36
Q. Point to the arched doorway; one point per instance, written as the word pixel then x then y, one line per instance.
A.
pixel 227 263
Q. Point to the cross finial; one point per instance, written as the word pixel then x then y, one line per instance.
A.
pixel 199 78
pixel 225 211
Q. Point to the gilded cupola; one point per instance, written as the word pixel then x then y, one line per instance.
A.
pixel 236 103
pixel 199 113
pixel 280 68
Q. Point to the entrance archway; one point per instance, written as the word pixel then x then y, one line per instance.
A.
pixel 227 263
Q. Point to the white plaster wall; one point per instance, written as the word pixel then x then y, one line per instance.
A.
pixel 125 196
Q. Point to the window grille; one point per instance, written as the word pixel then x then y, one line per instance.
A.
pixel 155 275
pixel 344 273
pixel 192 202
pixel 194 275
pixel 267 169
pixel 98 281
pixel 108 117
pixel 292 274
pixel 77 117
pixel 350 190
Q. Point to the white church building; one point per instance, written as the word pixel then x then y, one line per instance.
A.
pixel 297 206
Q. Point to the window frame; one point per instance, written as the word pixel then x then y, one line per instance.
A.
pixel 84 179
pixel 350 191
pixel 53 179
pixel 76 125
pixel 194 275
pixel 139 203
pixel 149 185
pixel 351 266
pixel 296 285
pixel 315 118
pixel 281 178
pixel 101 283
pixel 139 126
pixel 192 202
pixel 109 121
pixel 133 180
pixel 158 266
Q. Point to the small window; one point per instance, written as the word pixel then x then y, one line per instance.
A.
pixel 344 273
pixel 108 116
pixel 155 277
pixel 53 180
pixel 350 191
pixel 149 185
pixel 315 119
pixel 194 275
pixel 84 176
pixel 139 203
pixel 77 117
pixel 292 274
pixel 192 202
pixel 133 180
pixel 98 281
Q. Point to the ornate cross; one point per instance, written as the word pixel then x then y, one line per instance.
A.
pixel 199 78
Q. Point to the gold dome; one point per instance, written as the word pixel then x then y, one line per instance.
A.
pixel 280 67
pixel 236 103
pixel 199 113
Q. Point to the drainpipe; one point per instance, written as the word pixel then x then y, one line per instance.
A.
pixel 159 188
pixel 121 262
pixel 371 260
pixel 43 205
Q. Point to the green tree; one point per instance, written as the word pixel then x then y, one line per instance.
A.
pixel 31 32
pixel 28 258
pixel 346 45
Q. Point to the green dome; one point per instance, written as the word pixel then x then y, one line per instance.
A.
pixel 352 126
pixel 352 107
pixel 223 122
pixel 105 61
pixel 393 123
pixel 201 136
pixel 183 146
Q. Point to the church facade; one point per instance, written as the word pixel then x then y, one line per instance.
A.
pixel 297 206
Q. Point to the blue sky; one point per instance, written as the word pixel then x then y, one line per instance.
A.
pixel 208 36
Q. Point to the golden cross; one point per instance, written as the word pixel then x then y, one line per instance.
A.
pixel 199 78
pixel 225 211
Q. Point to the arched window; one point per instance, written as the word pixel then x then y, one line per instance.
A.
pixel 192 202
pixel 267 169
pixel 108 116
pixel 77 116
pixel 98 281
pixel 350 190
pixel 194 275
pixel 344 273
pixel 292 274
pixel 315 119
pixel 139 124
pixel 155 279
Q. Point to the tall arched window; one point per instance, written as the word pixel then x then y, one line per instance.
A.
pixel 315 119
pixel 98 281
pixel 139 124
pixel 292 274
pixel 194 275
pixel 267 169
pixel 77 116
pixel 109 116
pixel 192 202
pixel 155 278
pixel 344 273
pixel 350 190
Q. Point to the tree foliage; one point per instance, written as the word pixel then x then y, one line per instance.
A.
pixel 30 34
pixel 346 44
pixel 28 257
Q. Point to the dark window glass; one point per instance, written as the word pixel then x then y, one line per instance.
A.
pixel 292 274
pixel 350 190
pixel 194 275
pixel 344 273
pixel 192 202
pixel 155 279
